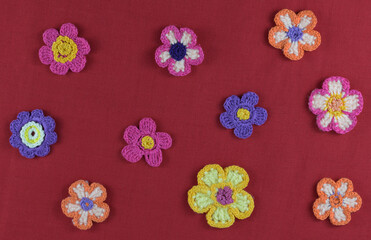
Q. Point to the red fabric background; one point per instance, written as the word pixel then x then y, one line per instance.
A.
pixel 121 83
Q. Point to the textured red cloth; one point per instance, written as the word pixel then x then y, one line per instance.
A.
pixel 121 84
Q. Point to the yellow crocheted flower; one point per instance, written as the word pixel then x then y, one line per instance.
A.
pixel 220 194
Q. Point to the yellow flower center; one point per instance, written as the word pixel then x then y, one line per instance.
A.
pixel 64 49
pixel 243 114
pixel 148 142
pixel 335 105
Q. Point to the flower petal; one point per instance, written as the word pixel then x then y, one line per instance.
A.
pixel 83 221
pixel 59 68
pixel 344 123
pixel 326 187
pixel 69 30
pixel 26 152
pixel 339 216
pixel 189 38
pixel 78 189
pixel 227 120
pixel 293 50
pixel 231 103
pixel 82 45
pixel 49 36
pixel 352 202
pixel 324 121
pixel 46 55
pixel 353 102
pixel 195 55
pixel 243 131
pixel 277 37
pixel 77 64
pixel 344 186
pixel 307 20
pixel 100 212
pixel 250 99
pixel 164 140
pixel 260 116
pixel 243 206
pixel 310 40
pixel 170 35
pixel 131 135
pixel 220 217
pixel 322 207
pixel 162 56
pixel 97 192
pixel 70 206
pixel 210 174
pixel 318 101
pixel 147 126
pixel 154 157
pixel 237 176
pixel 42 150
pixel 199 198
pixel 336 85
pixel 179 68
pixel 132 153
pixel 51 138
pixel 285 18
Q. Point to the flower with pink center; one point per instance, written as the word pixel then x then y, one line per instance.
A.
pixel 64 50
pixel 179 50
pixel 146 142
pixel 335 105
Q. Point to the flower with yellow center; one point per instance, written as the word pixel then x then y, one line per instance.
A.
pixel 148 142
pixel 64 49
pixel 243 114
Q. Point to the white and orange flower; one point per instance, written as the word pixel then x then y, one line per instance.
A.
pixel 336 201
pixel 86 204
pixel 294 33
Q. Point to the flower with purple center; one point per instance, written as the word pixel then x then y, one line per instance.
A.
pixel 146 142
pixel 64 50
pixel 224 195
pixel 241 114
pixel 33 133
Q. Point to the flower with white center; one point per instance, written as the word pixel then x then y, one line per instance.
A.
pixel 336 201
pixel 179 50
pixel 220 195
pixel 294 33
pixel 335 105
pixel 86 204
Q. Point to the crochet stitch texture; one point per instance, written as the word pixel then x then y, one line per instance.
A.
pixel 335 105
pixel 179 50
pixel 336 201
pixel 64 50
pixel 294 33
pixel 241 114
pixel 220 195
pixel 33 133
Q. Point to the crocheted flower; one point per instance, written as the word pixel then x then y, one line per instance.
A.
pixel 294 33
pixel 336 201
pixel 33 133
pixel 241 114
pixel 145 141
pixel 64 50
pixel 85 204
pixel 220 194
pixel 179 50
pixel 335 105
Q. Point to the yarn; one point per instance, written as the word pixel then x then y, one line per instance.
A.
pixel 33 133
pixel 294 33
pixel 85 204
pixel 336 201
pixel 179 50
pixel 220 195
pixel 335 105
pixel 241 114
pixel 146 142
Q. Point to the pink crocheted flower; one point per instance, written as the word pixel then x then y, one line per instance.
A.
pixel 145 141
pixel 179 51
pixel 64 50
pixel 335 105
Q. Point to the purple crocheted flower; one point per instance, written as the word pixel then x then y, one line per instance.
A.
pixel 241 114
pixel 145 141
pixel 33 133
pixel 179 50
pixel 335 105
pixel 64 50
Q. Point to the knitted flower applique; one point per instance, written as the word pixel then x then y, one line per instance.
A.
pixel 64 50
pixel 85 204
pixel 335 105
pixel 241 114
pixel 336 201
pixel 179 50
pixel 33 133
pixel 220 195
pixel 294 33
pixel 145 141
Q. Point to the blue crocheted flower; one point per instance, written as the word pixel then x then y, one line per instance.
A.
pixel 241 114
pixel 33 133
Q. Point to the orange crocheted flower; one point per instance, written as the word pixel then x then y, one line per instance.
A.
pixel 86 204
pixel 336 201
pixel 294 33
